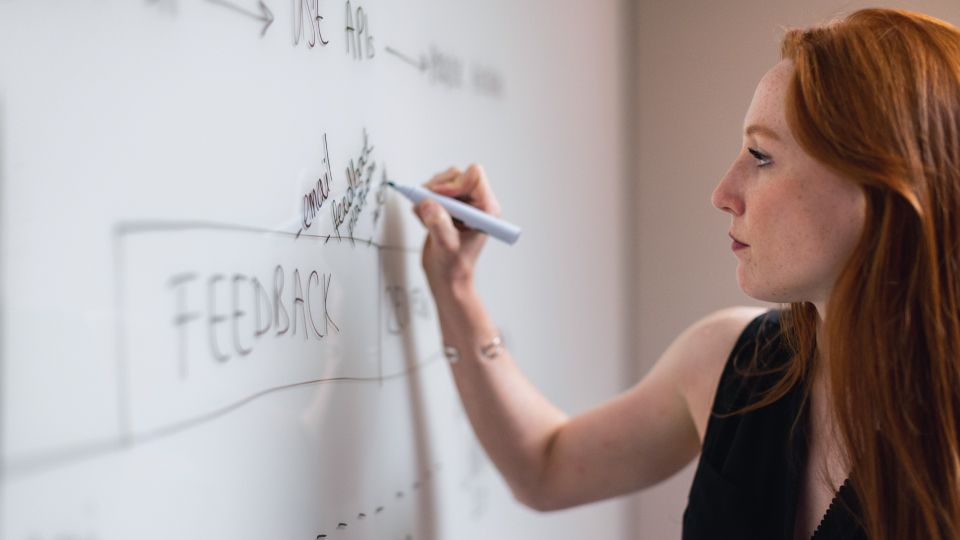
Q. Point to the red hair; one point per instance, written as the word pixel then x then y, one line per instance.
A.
pixel 876 97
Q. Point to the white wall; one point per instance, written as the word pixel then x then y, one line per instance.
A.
pixel 154 148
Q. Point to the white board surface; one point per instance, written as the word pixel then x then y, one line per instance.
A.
pixel 183 357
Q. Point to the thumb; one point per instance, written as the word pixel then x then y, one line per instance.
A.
pixel 439 224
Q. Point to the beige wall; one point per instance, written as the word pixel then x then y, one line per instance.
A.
pixel 698 62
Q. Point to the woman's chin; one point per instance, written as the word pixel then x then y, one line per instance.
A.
pixel 744 282
pixel 759 290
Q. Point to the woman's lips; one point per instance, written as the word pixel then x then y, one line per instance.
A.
pixel 737 245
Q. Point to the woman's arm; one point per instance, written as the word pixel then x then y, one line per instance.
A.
pixel 549 460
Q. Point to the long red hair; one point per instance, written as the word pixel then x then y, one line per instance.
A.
pixel 876 97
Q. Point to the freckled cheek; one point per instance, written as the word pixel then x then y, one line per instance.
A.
pixel 839 241
pixel 838 226
pixel 785 237
pixel 767 226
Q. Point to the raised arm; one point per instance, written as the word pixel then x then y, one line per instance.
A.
pixel 549 460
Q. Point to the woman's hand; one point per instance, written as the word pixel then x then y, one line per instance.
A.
pixel 451 250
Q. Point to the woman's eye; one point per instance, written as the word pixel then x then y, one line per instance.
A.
pixel 762 159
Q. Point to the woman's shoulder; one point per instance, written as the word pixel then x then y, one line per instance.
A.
pixel 703 350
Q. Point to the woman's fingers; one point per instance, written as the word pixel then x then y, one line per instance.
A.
pixel 470 185
pixel 479 193
pixel 440 225
pixel 444 177
pixel 451 249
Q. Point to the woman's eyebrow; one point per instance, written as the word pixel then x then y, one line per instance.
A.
pixel 763 130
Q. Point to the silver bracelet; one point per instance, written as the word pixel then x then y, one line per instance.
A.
pixel 489 351
pixel 452 354
pixel 493 349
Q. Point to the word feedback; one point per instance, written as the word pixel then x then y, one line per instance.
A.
pixel 253 312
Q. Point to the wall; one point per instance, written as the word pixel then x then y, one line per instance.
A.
pixel 154 159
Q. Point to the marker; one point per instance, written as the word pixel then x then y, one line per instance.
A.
pixel 471 216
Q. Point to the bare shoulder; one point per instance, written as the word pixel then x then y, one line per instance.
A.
pixel 700 353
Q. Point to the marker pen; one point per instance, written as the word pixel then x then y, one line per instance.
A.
pixel 471 216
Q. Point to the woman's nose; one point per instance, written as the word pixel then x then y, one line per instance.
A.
pixel 726 196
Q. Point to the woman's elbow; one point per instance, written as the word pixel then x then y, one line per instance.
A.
pixel 541 500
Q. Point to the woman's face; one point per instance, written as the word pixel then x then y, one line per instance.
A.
pixel 796 221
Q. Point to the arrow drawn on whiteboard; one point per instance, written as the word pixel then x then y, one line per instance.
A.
pixel 420 64
pixel 265 14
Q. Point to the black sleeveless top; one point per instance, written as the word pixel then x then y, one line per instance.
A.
pixel 747 482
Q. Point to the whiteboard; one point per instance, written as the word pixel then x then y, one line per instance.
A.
pixel 214 322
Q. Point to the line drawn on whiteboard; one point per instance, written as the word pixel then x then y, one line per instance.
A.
pixel 3 306
pixel 126 437
pixel 148 227
pixel 420 63
pixel 65 536
pixel 212 339
pixel 447 70
pixel 43 462
pixel 265 15
pixel 205 341
pixel 156 226
pixel 125 423
pixel 426 476
pixel 380 317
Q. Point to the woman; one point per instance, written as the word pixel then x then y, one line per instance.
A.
pixel 837 417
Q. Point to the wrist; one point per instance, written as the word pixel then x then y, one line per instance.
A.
pixel 462 315
pixel 460 291
pixel 487 351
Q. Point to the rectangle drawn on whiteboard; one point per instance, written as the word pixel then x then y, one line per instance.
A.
pixel 212 316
